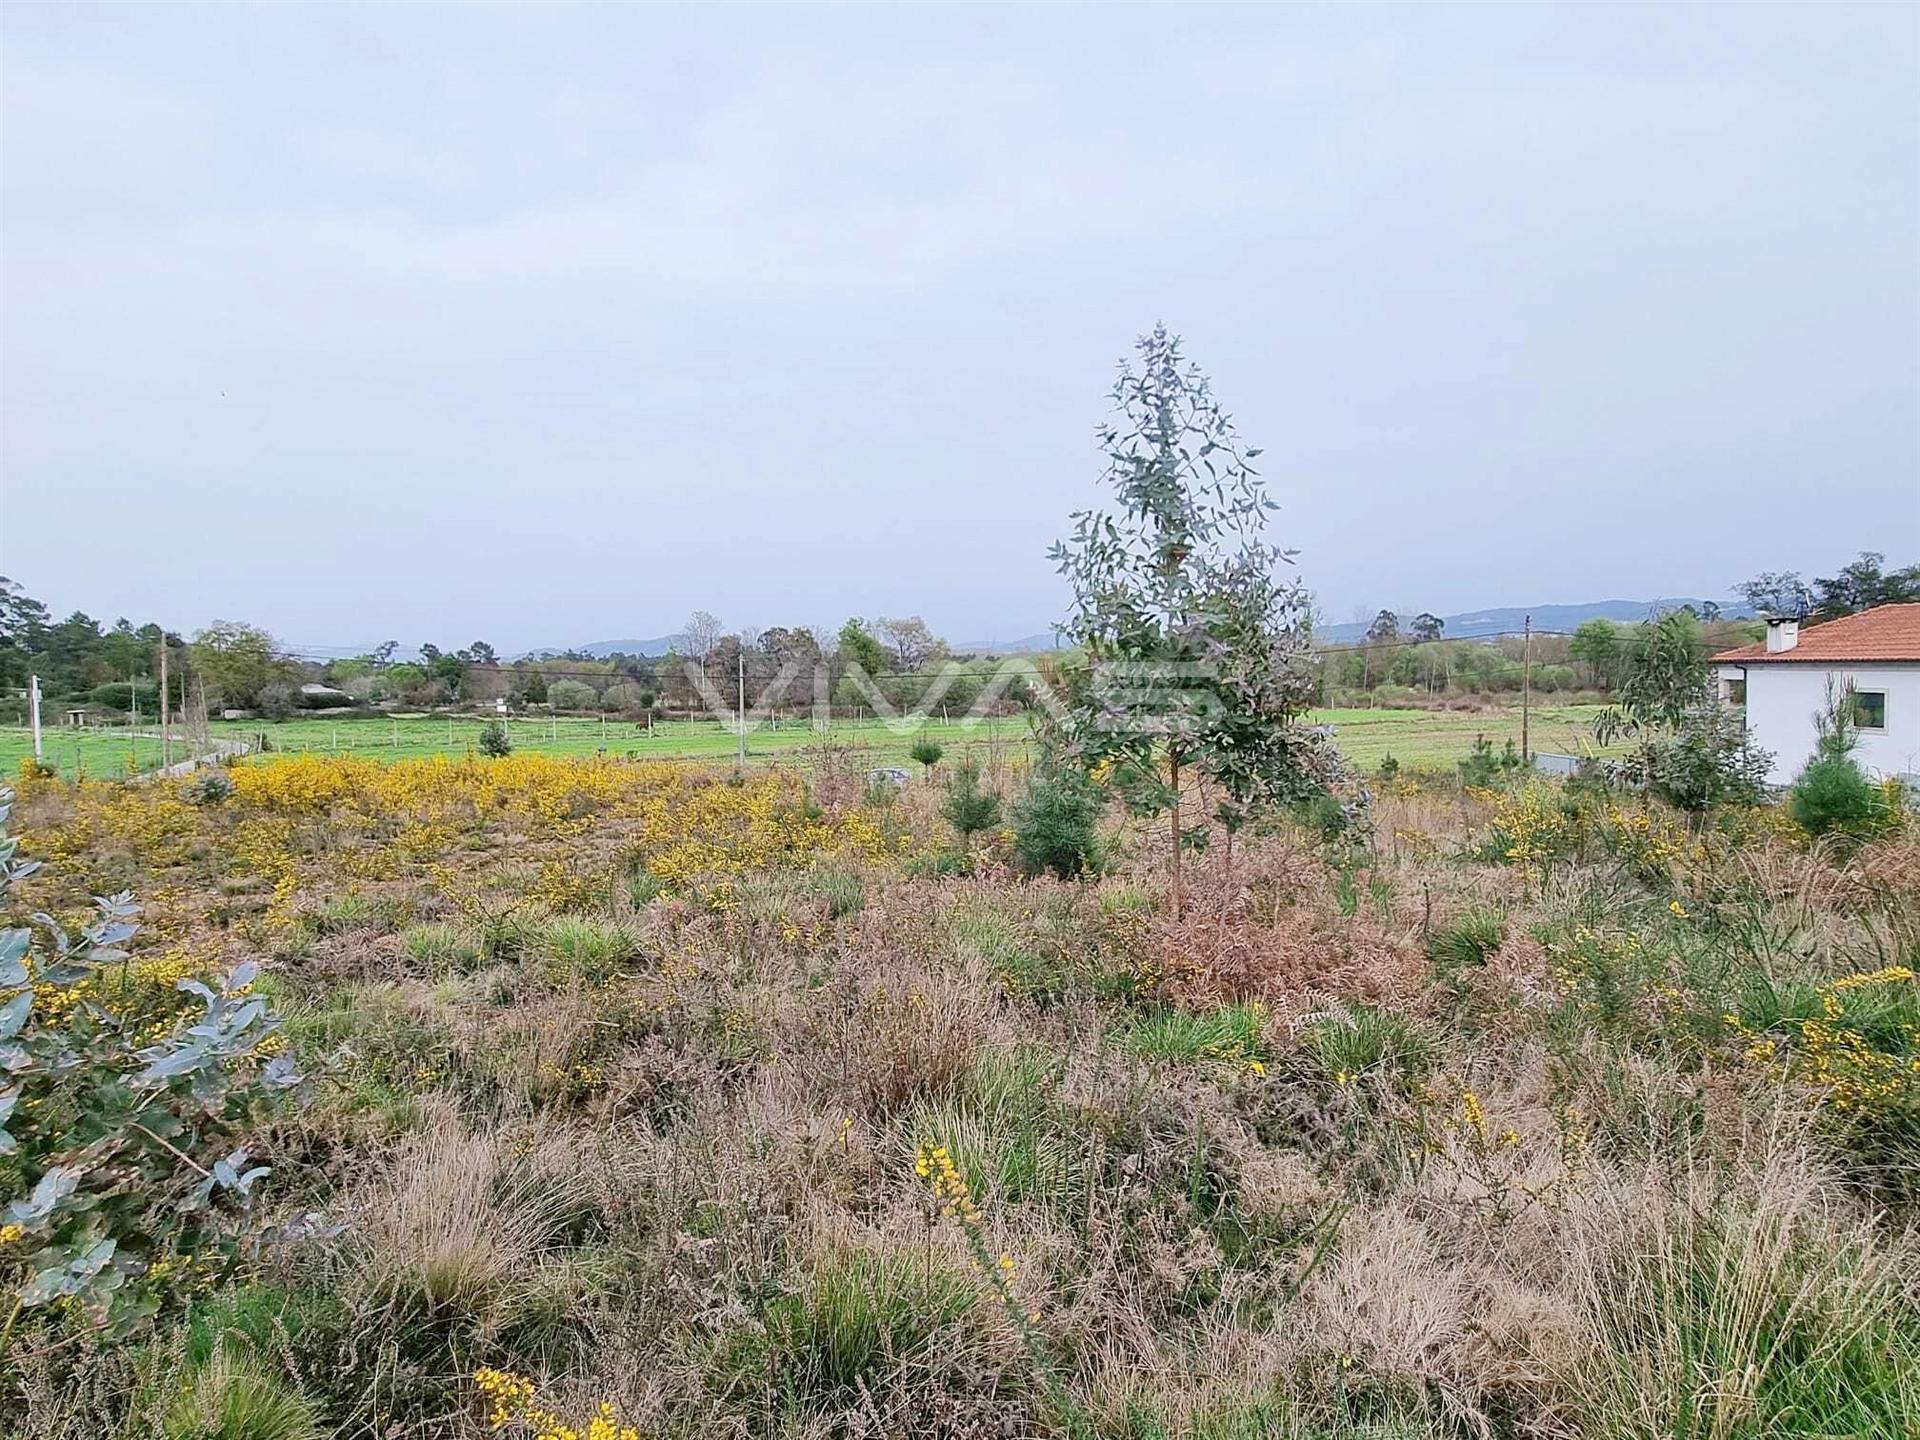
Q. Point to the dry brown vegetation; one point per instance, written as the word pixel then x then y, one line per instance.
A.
pixel 1381 1137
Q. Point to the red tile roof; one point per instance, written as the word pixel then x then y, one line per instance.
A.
pixel 1886 632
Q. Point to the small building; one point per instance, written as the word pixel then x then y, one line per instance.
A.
pixel 1784 683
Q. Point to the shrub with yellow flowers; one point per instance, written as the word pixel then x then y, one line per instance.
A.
pixel 1494 1169
pixel 1533 827
pixel 131 1092
pixel 514 1404
pixel 952 1195
pixel 1861 1052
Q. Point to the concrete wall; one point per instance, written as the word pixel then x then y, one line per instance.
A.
pixel 1782 700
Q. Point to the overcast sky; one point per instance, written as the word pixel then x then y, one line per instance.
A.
pixel 546 325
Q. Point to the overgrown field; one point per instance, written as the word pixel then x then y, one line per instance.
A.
pixel 676 1104
pixel 1421 738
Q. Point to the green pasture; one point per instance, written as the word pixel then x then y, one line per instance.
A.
pixel 1424 739
pixel 96 752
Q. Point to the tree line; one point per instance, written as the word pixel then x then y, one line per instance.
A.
pixel 894 661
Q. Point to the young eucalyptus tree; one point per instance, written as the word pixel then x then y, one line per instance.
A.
pixel 1195 644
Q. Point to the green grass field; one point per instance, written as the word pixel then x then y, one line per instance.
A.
pixel 1419 738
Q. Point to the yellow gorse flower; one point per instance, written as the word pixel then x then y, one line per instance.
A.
pixel 513 1401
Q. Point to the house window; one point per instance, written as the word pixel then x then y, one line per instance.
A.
pixel 1870 710
pixel 1737 691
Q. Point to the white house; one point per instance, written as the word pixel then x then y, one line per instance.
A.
pixel 1784 683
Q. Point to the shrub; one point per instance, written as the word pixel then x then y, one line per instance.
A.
pixel 1324 817
pixel 1054 824
pixel 572 695
pixel 968 808
pixel 118 695
pixel 1833 796
pixel 494 740
pixel 927 753
pixel 1706 760
pixel 1535 827
pixel 212 786
pixel 118 1068
pixel 276 701
pixel 1484 767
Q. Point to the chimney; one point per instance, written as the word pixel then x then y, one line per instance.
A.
pixel 1782 634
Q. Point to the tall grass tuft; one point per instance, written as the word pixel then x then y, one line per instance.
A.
pixel 859 1321
pixel 230 1398
pixel 1743 1313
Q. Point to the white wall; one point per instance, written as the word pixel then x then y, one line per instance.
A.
pixel 1782 700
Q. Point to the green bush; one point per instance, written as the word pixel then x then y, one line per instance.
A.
pixel 928 753
pixel 494 740
pixel 1707 759
pixel 1485 767
pixel 1054 824
pixel 118 695
pixel 126 1128
pixel 212 786
pixel 1832 795
pixel 968 808
pixel 572 695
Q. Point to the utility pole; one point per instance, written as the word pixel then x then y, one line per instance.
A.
pixel 742 764
pixel 33 705
pixel 1526 694
pixel 133 721
pixel 166 731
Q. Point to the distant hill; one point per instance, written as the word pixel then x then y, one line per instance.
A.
pixel 1046 640
pixel 601 649
pixel 1508 620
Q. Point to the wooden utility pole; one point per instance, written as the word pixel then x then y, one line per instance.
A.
pixel 166 731
pixel 1526 693
pixel 742 710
